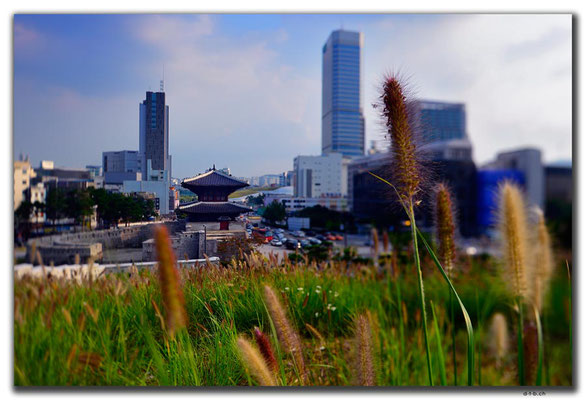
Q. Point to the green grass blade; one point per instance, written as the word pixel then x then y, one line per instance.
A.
pixel 469 329
pixel 520 355
pixel 538 377
pixel 421 294
pixel 440 351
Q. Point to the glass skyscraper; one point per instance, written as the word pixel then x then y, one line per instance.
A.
pixel 342 117
pixel 154 135
pixel 441 121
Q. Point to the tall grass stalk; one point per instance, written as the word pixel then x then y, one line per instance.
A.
pixel 406 174
pixel 437 263
pixel 539 374
pixel 514 239
pixel 445 226
pixel 421 290
pixel 467 320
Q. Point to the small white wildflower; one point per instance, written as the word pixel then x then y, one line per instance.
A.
pixel 317 314
pixel 322 348
pixel 287 289
pixel 336 294
pixel 300 289
pixel 318 286
pixel 329 306
pixel 317 291
pixel 333 308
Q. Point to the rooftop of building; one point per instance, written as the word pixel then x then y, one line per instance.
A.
pixel 209 207
pixel 213 177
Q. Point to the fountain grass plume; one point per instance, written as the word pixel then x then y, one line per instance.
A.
pixel 375 242
pixel 255 363
pixel 266 349
pixel 499 337
pixel 512 223
pixel 386 242
pixel 407 175
pixel 364 361
pixel 542 261
pixel 172 293
pixel 405 164
pixel 514 232
pixel 445 228
pixel 288 337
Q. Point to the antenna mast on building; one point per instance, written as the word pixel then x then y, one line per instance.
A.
pixel 163 80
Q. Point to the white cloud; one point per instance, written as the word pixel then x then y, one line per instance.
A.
pixel 512 71
pixel 232 95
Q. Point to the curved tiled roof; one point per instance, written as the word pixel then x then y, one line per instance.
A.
pixel 213 178
pixel 212 207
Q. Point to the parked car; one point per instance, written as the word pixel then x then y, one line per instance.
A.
pixel 321 237
pixel 291 244
pixel 339 237
pixel 313 240
pixel 305 243
pixel 276 243
pixel 310 233
pixel 300 234
pixel 330 237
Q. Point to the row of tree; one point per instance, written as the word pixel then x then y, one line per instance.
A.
pixel 78 205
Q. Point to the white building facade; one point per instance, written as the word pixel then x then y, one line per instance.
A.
pixel 319 176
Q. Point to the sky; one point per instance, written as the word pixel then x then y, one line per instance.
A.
pixel 244 91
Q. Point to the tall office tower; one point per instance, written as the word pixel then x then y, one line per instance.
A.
pixel 441 121
pixel 342 117
pixel 154 137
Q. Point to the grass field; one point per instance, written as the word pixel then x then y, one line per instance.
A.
pixel 112 331
pixel 250 190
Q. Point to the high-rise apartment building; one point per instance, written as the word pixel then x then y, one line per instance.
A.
pixel 154 134
pixel 342 117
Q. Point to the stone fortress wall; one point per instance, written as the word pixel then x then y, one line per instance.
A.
pixel 63 249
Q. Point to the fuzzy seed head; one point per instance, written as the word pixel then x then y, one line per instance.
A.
pixel 499 336
pixel 375 241
pixel 255 363
pixel 172 293
pixel 386 243
pixel 542 262
pixel 445 228
pixel 288 337
pixel 264 345
pixel 514 237
pixel 363 346
pixel 403 149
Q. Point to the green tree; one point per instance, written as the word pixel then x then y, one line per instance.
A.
pixel 55 204
pixel 256 200
pixel 275 212
pixel 22 217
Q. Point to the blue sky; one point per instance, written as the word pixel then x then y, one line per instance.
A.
pixel 245 90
